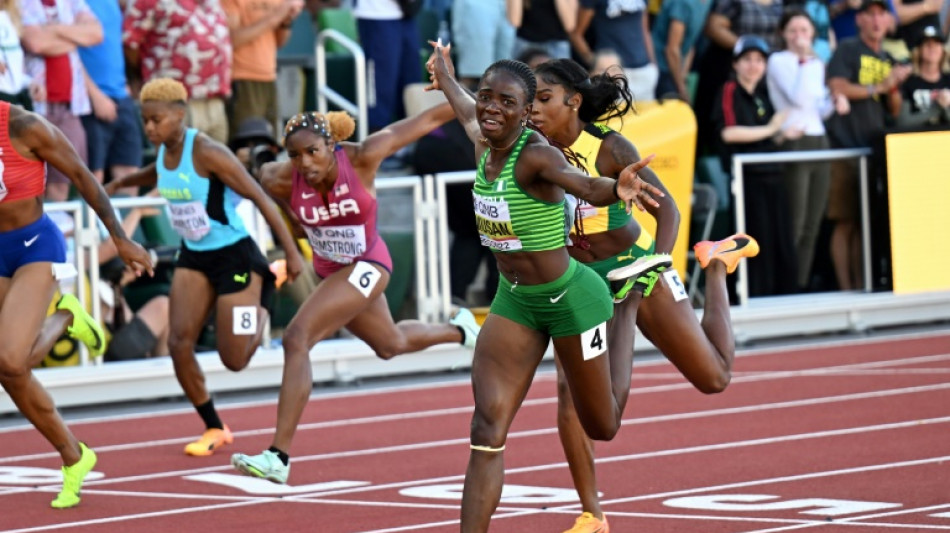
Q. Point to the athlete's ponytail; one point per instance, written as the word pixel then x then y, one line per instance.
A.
pixel 335 126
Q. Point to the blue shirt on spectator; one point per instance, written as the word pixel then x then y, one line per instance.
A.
pixel 618 26
pixel 692 13
pixel 105 62
pixel 844 24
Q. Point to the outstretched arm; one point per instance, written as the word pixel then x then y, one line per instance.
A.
pixel 143 177
pixel 49 144
pixel 440 66
pixel 618 152
pixel 389 140
pixel 548 163
pixel 224 165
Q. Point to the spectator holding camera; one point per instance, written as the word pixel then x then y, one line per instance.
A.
pixel 254 144
pixel 925 96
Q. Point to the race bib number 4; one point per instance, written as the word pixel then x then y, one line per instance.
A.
pixel 340 244
pixel 189 219
pixel 594 341
pixel 494 224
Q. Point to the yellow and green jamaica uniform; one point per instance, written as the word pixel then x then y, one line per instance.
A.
pixel 601 219
pixel 510 220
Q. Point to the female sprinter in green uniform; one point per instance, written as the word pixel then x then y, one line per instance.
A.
pixel 565 107
pixel 543 294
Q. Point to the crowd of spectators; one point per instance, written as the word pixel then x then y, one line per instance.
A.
pixel 761 75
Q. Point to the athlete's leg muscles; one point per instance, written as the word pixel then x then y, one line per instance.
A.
pixel 237 341
pixel 190 301
pixel 506 357
pixel 333 304
pixel 703 353
pixel 25 298
pixel 375 326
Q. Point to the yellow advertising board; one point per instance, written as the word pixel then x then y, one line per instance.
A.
pixel 918 190
pixel 668 130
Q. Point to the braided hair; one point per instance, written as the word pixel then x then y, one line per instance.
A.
pixel 521 71
pixel 605 96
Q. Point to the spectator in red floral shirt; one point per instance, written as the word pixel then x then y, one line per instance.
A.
pixel 188 41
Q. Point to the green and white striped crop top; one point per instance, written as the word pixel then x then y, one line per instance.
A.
pixel 508 218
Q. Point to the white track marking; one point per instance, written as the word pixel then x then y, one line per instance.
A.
pixel 542 376
pixel 755 377
pixel 815 475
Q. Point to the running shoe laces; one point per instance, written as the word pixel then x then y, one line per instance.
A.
pixel 640 276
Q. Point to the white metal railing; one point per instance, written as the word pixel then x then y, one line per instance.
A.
pixel 75 209
pixel 87 236
pixel 739 160
pixel 339 359
pixel 442 180
pixel 324 92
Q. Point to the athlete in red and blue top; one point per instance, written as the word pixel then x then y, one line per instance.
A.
pixel 341 223
pixel 31 248
pixel 327 188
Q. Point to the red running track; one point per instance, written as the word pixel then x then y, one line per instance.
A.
pixel 843 437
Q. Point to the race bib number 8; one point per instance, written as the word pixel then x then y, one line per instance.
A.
pixel 244 321
pixel 364 277
pixel 594 341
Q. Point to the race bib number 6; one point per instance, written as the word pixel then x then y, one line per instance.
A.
pixel 364 277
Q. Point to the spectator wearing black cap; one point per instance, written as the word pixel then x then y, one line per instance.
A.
pixel 864 73
pixel 915 15
pixel 254 144
pixel 728 19
pixel 925 96
pixel 747 123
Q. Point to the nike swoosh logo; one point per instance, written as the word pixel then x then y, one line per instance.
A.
pixel 559 296
pixel 307 196
pixel 31 241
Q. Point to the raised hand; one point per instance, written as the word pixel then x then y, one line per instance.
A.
pixel 441 59
pixel 633 191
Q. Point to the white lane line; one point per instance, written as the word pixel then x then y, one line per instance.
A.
pixel 541 376
pixel 755 442
pixel 755 377
pixel 572 508
pixel 860 521
pixel 521 434
pixel 123 518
